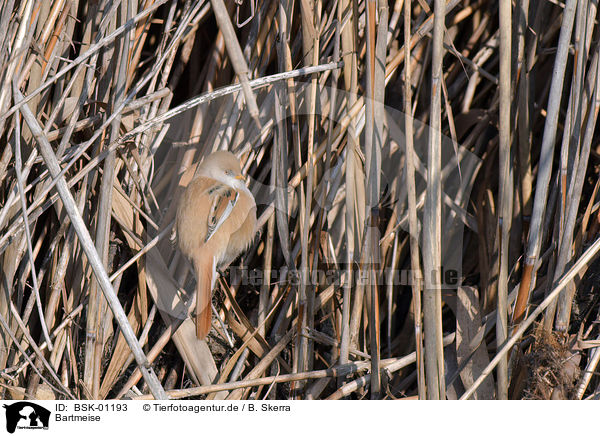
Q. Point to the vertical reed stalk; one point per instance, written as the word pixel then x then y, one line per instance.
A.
pixel 415 262
pixel 432 218
pixel 506 191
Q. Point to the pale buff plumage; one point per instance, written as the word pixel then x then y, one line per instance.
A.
pixel 216 222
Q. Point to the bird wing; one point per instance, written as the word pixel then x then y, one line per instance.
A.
pixel 222 201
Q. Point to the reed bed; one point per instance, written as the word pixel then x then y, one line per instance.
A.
pixel 426 176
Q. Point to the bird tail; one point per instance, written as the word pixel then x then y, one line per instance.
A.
pixel 205 277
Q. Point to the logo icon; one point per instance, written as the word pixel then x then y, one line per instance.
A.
pixel 26 415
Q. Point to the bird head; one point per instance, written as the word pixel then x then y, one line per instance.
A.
pixel 224 167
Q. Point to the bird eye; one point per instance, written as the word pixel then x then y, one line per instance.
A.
pixel 228 172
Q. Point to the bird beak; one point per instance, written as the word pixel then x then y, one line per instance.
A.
pixel 241 177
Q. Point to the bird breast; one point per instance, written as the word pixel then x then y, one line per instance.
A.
pixel 200 202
